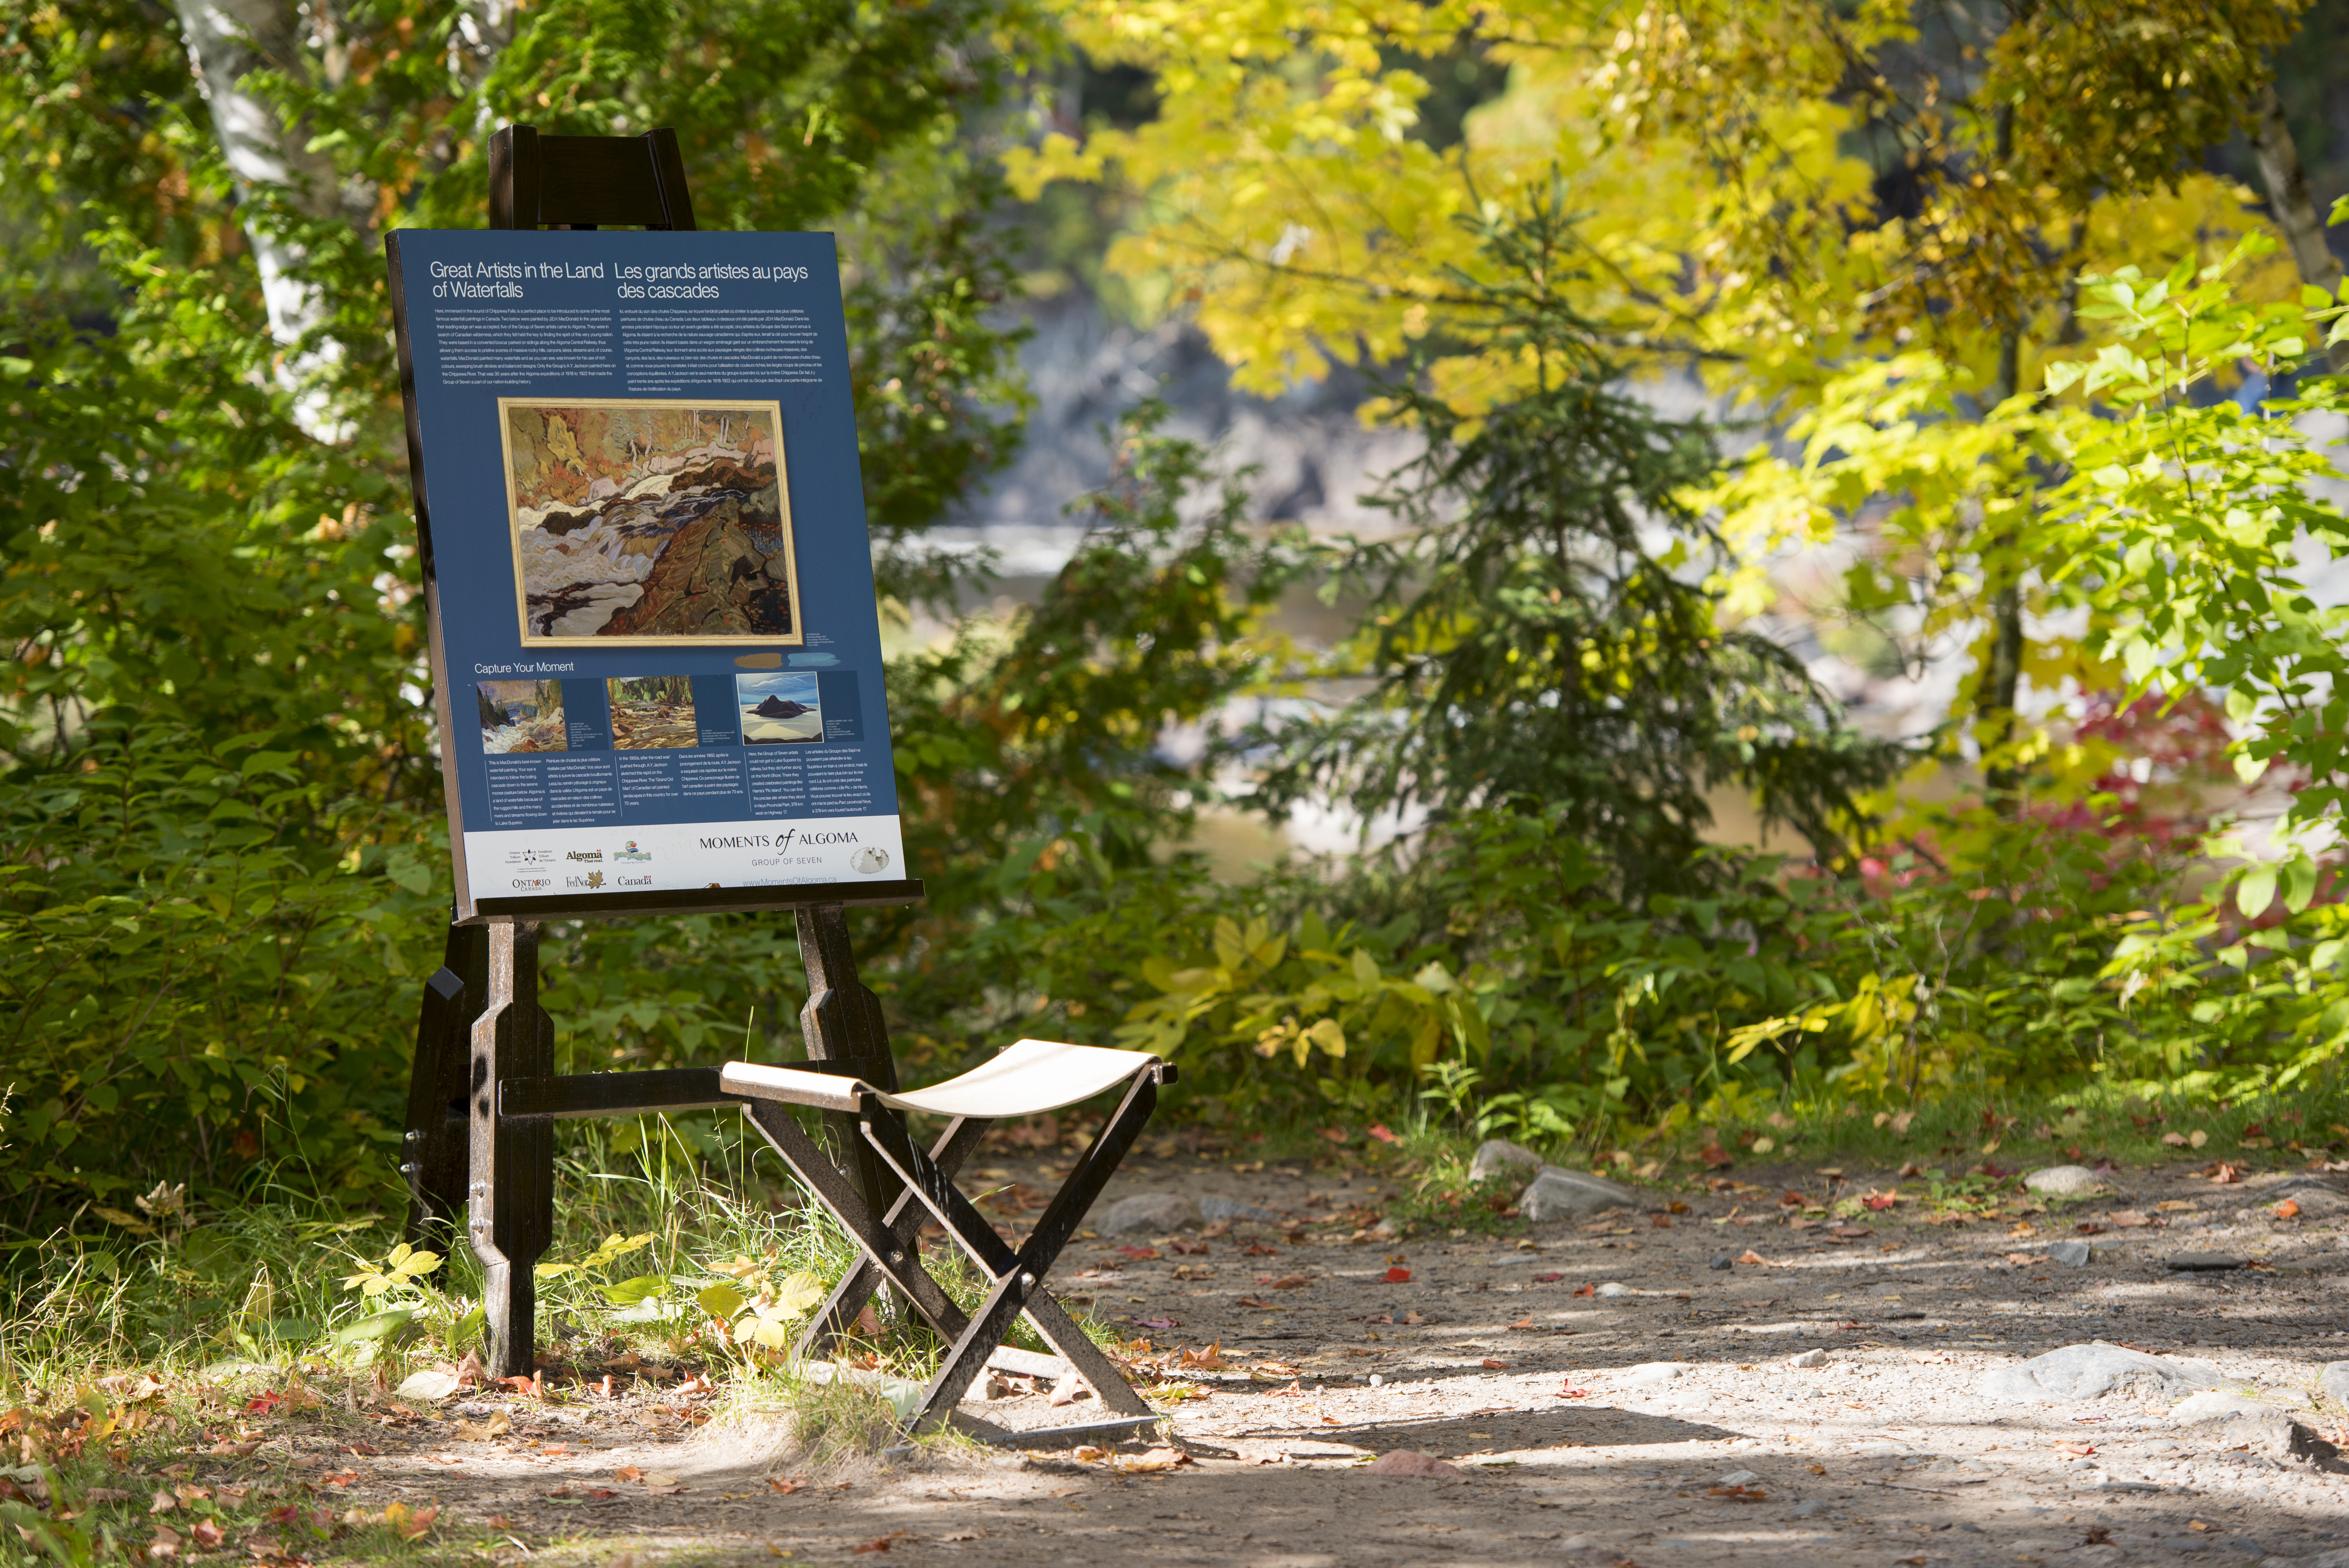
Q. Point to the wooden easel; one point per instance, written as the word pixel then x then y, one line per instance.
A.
pixel 483 1094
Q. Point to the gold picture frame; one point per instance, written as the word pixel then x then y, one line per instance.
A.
pixel 584 524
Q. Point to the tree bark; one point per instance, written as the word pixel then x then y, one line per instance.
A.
pixel 2289 199
pixel 228 41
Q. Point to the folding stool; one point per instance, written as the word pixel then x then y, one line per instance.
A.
pixel 1027 1079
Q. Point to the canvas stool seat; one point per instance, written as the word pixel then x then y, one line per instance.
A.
pixel 1027 1078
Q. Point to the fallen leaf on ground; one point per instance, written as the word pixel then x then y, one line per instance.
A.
pixel 881 1543
pixel 1402 1276
pixel 409 1523
pixel 1570 1392
pixel 629 1472
pixel 165 1544
pixel 787 1487
pixel 1155 1459
pixel 1739 1493
pixel 2078 1450
pixel 1551 1278
pixel 2288 1210
pixel 164 1501
pixel 1525 1322
pixel 1138 1255
pixel 1259 1250
pixel 1290 1282
pixel 497 1426
pixel 1753 1257
pixel 1258 1302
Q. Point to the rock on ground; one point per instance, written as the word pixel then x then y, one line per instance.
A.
pixel 1499 1157
pixel 1411 1462
pixel 1560 1194
pixel 2335 1380
pixel 2092 1370
pixel 2071 1254
pixel 1152 1211
pixel 2065 1181
pixel 1225 1209
pixel 2247 1424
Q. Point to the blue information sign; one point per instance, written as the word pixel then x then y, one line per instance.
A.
pixel 656 650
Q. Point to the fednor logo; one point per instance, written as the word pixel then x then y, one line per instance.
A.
pixel 593 878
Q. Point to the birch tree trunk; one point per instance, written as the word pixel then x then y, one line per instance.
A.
pixel 2288 197
pixel 228 41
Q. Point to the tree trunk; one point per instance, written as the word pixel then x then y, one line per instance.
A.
pixel 2003 680
pixel 228 41
pixel 2288 198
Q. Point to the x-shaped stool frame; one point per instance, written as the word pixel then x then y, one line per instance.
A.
pixel 890 1241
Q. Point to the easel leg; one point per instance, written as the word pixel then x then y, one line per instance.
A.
pixel 511 1192
pixel 842 1023
pixel 433 1155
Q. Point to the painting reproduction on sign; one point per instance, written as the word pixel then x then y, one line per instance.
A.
pixel 521 716
pixel 779 708
pixel 649 523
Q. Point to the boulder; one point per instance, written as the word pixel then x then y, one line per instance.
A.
pixel 2334 1381
pixel 2071 1254
pixel 1154 1213
pixel 1556 1193
pixel 1499 1157
pixel 1230 1209
pixel 2093 1370
pixel 2064 1182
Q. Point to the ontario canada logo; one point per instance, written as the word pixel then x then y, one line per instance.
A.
pixel 531 884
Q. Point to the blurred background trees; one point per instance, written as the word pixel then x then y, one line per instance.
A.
pixel 1710 323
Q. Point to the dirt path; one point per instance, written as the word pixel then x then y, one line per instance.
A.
pixel 1607 1394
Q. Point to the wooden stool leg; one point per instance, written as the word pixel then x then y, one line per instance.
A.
pixel 512 1192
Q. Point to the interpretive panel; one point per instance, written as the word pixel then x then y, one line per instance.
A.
pixel 656 652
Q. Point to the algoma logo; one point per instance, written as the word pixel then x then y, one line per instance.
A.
pixel 596 855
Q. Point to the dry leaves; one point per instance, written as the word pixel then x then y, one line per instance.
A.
pixel 497 1426
pixel 1156 1460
